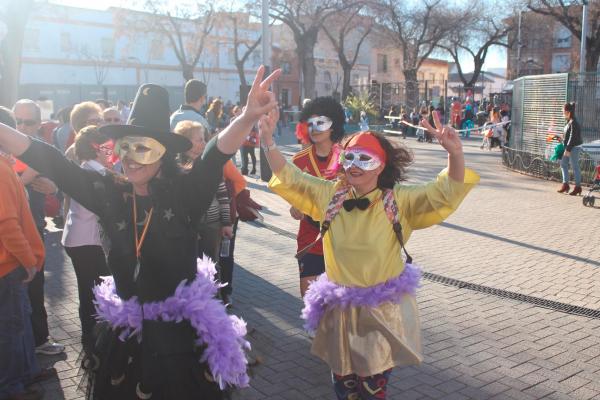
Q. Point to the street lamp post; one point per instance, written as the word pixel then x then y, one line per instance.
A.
pixel 265 170
pixel 584 29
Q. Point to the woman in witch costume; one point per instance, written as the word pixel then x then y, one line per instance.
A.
pixel 167 337
pixel 362 310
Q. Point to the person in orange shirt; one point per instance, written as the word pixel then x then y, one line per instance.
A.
pixel 325 118
pixel 21 257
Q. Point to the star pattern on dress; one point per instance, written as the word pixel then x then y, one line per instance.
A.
pixel 168 214
pixel 121 225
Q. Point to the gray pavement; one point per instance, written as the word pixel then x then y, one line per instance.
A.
pixel 513 232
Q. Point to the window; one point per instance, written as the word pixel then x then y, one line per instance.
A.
pixel 65 42
pixel 108 48
pixel 561 63
pixel 420 76
pixel 231 56
pixel 286 68
pixel 562 37
pixel 31 40
pixel 285 98
pixel 382 63
pixel 157 50
pixel 432 77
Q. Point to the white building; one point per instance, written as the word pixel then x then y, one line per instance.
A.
pixel 73 54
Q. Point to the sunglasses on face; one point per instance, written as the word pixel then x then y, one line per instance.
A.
pixel 360 159
pixel 27 122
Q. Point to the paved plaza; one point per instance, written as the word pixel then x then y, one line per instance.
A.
pixel 512 233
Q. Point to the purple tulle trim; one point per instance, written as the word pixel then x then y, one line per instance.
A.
pixel 222 334
pixel 323 294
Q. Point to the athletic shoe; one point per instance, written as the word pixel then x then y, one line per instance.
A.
pixel 50 348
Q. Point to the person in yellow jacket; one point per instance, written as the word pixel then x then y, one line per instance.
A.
pixel 363 309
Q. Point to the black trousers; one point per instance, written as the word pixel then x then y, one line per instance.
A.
pixel 226 263
pixel 247 150
pixel 89 263
pixel 39 316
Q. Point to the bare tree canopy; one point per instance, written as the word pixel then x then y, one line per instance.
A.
pixel 346 26
pixel 243 47
pixel 305 18
pixel 569 13
pixel 184 27
pixel 486 28
pixel 416 29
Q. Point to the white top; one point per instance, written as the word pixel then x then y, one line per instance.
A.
pixel 82 227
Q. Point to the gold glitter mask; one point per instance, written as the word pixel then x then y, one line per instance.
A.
pixel 141 149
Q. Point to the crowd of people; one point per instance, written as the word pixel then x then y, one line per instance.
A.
pixel 152 202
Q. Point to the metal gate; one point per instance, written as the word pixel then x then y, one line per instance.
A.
pixel 537 115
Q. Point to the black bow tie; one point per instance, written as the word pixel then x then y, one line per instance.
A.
pixel 362 204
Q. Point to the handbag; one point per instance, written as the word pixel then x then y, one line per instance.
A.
pixel 559 150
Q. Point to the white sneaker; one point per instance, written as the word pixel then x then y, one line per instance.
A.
pixel 50 348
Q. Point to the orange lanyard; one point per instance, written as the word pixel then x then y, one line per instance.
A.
pixel 139 242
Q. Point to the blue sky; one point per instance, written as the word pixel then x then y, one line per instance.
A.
pixel 495 59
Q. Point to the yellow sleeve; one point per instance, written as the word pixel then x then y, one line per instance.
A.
pixel 307 193
pixel 431 203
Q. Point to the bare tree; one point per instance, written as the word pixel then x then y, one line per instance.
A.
pixel 305 18
pixel 416 30
pixel 569 13
pixel 485 31
pixel 344 25
pixel 240 43
pixel 184 27
pixel 13 17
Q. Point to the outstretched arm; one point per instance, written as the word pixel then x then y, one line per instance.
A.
pixel 260 101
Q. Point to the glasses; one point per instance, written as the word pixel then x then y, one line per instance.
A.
pixel 27 122
pixel 112 120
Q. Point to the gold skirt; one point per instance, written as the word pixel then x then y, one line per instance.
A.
pixel 369 340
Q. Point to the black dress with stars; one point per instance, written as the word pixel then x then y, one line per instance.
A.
pixel 165 364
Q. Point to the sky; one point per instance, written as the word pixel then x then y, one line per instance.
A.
pixel 496 57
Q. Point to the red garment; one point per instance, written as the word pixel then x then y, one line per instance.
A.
pixel 251 139
pixel 20 242
pixel 302 133
pixel 308 162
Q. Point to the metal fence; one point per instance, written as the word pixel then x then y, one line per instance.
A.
pixel 537 115
pixel 385 95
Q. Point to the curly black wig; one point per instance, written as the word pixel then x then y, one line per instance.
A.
pixel 328 107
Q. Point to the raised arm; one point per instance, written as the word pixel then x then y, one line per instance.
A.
pixel 260 101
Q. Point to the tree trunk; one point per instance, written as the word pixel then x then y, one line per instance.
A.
pixel 10 52
pixel 305 49
pixel 592 55
pixel 187 71
pixel 412 87
pixel 346 82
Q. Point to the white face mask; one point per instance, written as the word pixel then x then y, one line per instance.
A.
pixel 319 124
pixel 360 158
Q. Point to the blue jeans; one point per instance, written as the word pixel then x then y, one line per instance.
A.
pixel 564 166
pixel 18 364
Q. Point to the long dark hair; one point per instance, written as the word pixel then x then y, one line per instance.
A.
pixel 398 158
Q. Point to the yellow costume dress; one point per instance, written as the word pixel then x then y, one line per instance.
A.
pixel 362 251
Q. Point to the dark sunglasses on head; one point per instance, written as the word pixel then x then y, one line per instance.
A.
pixel 26 122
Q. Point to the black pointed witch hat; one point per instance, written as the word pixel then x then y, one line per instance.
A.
pixel 150 118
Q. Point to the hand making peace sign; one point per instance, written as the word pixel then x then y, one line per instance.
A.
pixel 260 99
pixel 445 134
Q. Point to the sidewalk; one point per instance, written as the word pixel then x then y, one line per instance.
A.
pixel 512 232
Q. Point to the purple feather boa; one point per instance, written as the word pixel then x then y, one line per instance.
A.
pixel 222 334
pixel 323 294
